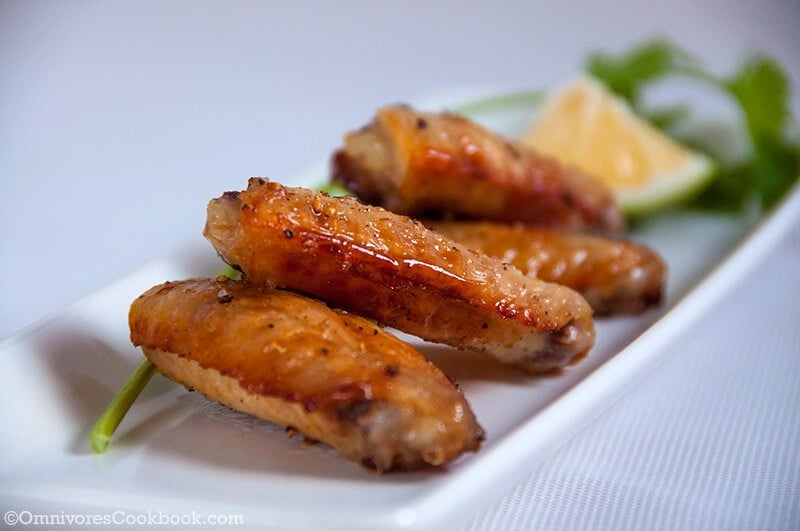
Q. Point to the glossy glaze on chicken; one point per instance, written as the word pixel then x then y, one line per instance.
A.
pixel 334 377
pixel 614 275
pixel 426 165
pixel 393 269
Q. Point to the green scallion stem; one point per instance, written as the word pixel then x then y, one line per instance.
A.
pixel 502 102
pixel 119 406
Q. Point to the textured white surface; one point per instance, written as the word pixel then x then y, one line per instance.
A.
pixel 710 440
pixel 119 120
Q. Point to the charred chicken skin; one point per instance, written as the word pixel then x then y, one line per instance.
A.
pixel 614 275
pixel 430 165
pixel 291 360
pixel 393 269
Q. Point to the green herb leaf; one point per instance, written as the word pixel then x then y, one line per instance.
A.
pixel 333 189
pixel 667 118
pixel 229 272
pixel 628 74
pixel 762 91
pixel 775 167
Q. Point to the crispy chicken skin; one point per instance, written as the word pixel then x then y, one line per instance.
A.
pixel 285 358
pixel 393 269
pixel 615 276
pixel 426 165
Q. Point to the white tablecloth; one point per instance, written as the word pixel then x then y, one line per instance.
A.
pixel 709 440
pixel 118 119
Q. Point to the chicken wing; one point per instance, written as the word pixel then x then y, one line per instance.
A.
pixel 615 276
pixel 393 269
pixel 335 377
pixel 427 165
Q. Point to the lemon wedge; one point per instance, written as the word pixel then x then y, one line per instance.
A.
pixel 586 126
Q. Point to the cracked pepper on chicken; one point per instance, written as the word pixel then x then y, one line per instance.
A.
pixel 333 376
pixel 393 269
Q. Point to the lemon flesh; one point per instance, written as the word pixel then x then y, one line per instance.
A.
pixel 585 126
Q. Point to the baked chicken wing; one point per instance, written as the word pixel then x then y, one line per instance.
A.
pixel 615 276
pixel 285 358
pixel 427 165
pixel 393 269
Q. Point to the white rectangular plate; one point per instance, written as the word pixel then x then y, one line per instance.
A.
pixel 176 452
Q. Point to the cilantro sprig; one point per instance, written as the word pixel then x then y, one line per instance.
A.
pixel 759 87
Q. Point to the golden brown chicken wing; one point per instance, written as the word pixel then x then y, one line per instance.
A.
pixel 614 275
pixel 424 164
pixel 393 269
pixel 335 377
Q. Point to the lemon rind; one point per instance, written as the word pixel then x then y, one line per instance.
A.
pixel 668 189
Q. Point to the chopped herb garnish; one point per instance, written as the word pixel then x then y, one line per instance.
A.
pixel 761 90
pixel 333 189
pixel 229 272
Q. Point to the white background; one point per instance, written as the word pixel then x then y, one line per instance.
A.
pixel 119 120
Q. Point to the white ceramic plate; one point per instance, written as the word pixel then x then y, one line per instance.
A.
pixel 178 454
